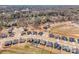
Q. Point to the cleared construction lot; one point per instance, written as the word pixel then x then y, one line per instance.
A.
pixel 24 49
pixel 67 29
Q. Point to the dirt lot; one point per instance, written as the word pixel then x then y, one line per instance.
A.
pixel 67 29
pixel 24 49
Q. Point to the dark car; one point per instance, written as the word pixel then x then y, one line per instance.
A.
pixel 8 43
pixel 57 46
pixel 15 41
pixel 49 44
pixel 42 42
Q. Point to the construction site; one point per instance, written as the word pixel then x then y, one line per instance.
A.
pixel 39 30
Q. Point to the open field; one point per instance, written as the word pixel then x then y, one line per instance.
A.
pixel 68 29
pixel 27 49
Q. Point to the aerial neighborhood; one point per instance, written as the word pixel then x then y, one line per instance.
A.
pixel 30 29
